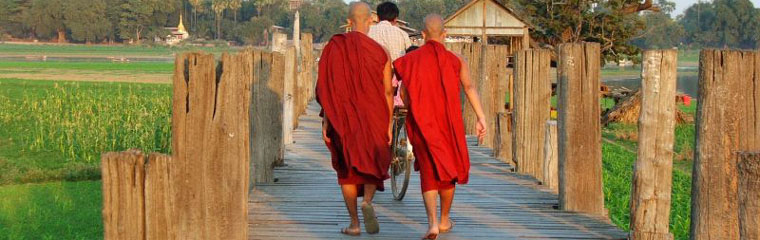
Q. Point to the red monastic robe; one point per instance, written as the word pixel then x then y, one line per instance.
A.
pixel 430 75
pixel 351 92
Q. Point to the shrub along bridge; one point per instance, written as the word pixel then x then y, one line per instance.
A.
pixel 248 160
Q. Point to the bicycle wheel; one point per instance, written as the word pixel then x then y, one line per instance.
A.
pixel 401 167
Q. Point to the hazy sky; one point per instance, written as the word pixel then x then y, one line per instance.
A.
pixel 681 5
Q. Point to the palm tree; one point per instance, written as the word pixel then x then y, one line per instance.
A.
pixel 219 6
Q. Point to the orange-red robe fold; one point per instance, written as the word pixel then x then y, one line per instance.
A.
pixel 430 75
pixel 351 92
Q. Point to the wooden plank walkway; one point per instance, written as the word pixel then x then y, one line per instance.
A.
pixel 305 202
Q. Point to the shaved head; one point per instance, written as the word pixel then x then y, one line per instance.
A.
pixel 433 27
pixel 359 11
pixel 359 16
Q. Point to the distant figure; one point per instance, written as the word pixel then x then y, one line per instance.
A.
pixel 431 77
pixel 391 37
pixel 355 92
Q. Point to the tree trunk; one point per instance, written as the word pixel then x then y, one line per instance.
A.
pixel 61 35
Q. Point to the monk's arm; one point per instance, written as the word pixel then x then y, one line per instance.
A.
pixel 388 86
pixel 471 92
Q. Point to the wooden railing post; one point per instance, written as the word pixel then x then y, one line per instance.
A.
pixel 494 89
pixel 123 177
pixel 159 198
pixel 550 157
pixel 727 116
pixel 579 130
pixel 267 114
pixel 473 53
pixel 749 195
pixel 532 105
pixel 503 148
pixel 211 144
pixel 652 173
pixel 289 112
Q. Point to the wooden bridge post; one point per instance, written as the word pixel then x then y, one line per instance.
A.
pixel 503 143
pixel 579 129
pixel 727 118
pixel 494 90
pixel 307 68
pixel 532 105
pixel 289 114
pixel 123 177
pixel 211 145
pixel 267 114
pixel 473 53
pixel 749 195
pixel 550 157
pixel 652 173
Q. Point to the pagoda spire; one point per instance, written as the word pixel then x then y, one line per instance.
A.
pixel 181 27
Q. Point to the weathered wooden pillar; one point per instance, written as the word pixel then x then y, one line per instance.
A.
pixel 579 130
pixel 159 198
pixel 123 177
pixel 503 148
pixel 749 195
pixel 210 145
pixel 473 53
pixel 532 105
pixel 267 114
pixel 727 116
pixel 307 67
pixel 493 89
pixel 550 155
pixel 652 173
pixel 290 75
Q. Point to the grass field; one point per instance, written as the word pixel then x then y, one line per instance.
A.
pixel 57 130
pixel 101 50
pixel 131 67
pixel 57 210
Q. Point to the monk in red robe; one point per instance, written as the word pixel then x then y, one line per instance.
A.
pixel 431 77
pixel 354 89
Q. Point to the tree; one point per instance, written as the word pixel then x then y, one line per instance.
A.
pixel 722 23
pixel 235 6
pixel 45 17
pixel 612 23
pixel 139 17
pixel 86 19
pixel 218 6
pixel 197 7
pixel 661 30
pixel 323 18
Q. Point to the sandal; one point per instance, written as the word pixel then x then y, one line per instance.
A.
pixel 445 230
pixel 349 232
pixel 370 219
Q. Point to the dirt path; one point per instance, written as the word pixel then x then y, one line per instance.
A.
pixel 90 76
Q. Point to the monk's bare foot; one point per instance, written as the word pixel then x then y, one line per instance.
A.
pixel 446 225
pixel 432 233
pixel 352 230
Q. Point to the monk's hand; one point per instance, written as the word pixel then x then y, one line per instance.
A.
pixel 325 126
pixel 481 128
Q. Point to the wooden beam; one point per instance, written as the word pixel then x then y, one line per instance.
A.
pixel 749 195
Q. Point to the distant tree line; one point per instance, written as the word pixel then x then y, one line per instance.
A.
pixel 623 27
pixel 718 24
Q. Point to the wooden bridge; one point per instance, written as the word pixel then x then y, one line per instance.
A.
pixel 233 121
pixel 305 201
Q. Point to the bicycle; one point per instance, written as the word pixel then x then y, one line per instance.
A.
pixel 401 163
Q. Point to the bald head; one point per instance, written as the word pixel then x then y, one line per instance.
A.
pixel 433 28
pixel 359 16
